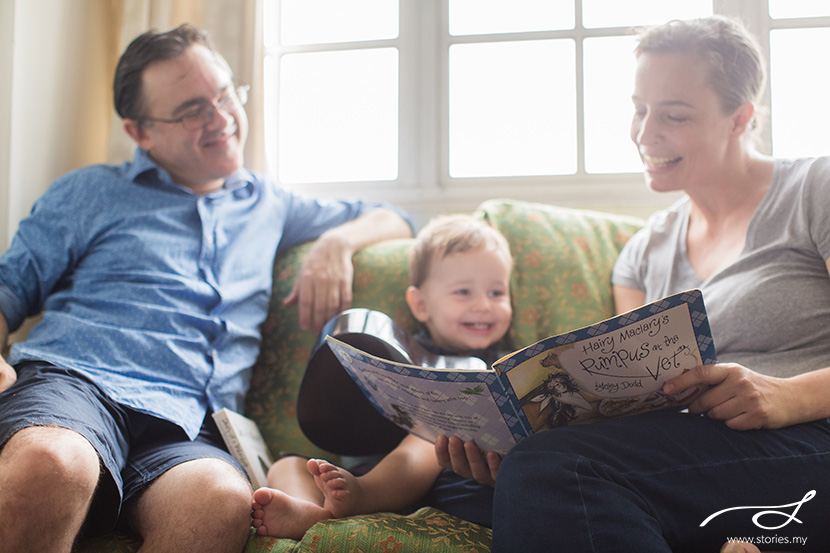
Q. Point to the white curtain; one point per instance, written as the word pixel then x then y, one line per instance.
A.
pixel 236 32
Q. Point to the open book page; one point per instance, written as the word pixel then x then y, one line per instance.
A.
pixel 471 404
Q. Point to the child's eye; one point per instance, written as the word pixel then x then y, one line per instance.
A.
pixel 496 293
pixel 462 292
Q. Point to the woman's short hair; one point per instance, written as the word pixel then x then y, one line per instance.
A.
pixel 737 70
pixel 150 47
pixel 450 234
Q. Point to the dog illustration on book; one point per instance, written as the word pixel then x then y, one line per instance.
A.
pixel 557 399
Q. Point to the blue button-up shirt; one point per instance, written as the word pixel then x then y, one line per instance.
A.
pixel 155 293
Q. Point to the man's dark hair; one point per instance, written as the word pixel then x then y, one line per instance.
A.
pixel 148 48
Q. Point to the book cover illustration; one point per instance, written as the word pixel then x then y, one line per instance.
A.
pixel 611 368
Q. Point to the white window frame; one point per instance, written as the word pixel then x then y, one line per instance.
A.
pixel 423 184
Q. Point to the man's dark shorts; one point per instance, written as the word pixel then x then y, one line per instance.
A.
pixel 134 448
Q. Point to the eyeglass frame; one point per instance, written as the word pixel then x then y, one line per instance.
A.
pixel 230 102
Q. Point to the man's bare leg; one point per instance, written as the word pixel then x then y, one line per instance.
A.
pixel 48 476
pixel 291 504
pixel 200 506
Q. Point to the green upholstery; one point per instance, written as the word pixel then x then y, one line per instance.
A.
pixel 561 280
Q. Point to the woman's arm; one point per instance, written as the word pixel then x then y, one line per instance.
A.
pixel 744 399
pixel 626 299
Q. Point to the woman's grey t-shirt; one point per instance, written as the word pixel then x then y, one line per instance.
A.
pixel 770 309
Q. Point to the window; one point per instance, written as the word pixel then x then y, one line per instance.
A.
pixel 440 104
pixel 799 34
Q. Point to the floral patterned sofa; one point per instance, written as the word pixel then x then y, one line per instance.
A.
pixel 563 260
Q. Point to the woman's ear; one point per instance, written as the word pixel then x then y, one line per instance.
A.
pixel 415 300
pixel 742 118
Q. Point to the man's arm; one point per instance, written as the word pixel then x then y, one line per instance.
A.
pixel 7 374
pixel 324 285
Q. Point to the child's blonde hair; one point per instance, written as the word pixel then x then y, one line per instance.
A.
pixel 448 234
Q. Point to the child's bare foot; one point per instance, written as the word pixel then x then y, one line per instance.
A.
pixel 280 515
pixel 344 495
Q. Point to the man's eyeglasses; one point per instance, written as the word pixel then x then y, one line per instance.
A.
pixel 198 117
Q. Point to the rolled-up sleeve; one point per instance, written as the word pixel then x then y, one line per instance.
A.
pixel 39 255
pixel 308 217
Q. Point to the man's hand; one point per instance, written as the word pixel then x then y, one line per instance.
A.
pixel 7 375
pixel 466 459
pixel 742 398
pixel 324 285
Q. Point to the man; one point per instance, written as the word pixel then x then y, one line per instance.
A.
pixel 153 279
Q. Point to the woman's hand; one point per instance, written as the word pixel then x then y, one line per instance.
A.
pixel 742 398
pixel 467 460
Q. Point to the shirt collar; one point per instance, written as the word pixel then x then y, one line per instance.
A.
pixel 143 164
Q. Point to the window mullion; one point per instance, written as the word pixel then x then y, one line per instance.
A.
pixel 579 40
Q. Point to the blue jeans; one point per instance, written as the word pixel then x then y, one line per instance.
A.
pixel 646 483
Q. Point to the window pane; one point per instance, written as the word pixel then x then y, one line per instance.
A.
pixel 609 82
pixel 512 108
pixel 475 17
pixel 614 13
pixel 780 9
pixel 338 116
pixel 327 21
pixel 800 110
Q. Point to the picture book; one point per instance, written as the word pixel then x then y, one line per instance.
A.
pixel 614 367
pixel 246 444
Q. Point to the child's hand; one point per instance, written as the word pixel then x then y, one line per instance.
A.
pixel 467 460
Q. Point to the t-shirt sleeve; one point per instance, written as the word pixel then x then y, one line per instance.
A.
pixel 816 200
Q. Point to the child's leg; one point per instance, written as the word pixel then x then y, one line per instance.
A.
pixel 291 504
pixel 401 478
pixel 291 476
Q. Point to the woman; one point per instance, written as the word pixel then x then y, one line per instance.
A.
pixel 751 457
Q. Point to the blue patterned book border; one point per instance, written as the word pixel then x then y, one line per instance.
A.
pixel 692 298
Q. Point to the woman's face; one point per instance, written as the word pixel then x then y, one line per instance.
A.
pixel 681 133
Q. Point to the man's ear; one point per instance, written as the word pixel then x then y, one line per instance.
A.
pixel 136 131
pixel 415 300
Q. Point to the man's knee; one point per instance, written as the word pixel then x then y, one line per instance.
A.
pixel 52 456
pixel 208 488
pixel 206 498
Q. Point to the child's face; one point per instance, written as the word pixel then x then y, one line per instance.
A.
pixel 465 300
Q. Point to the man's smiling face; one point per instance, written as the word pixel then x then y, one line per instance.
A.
pixel 202 158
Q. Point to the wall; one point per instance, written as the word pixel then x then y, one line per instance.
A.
pixel 51 53
pixel 7 10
